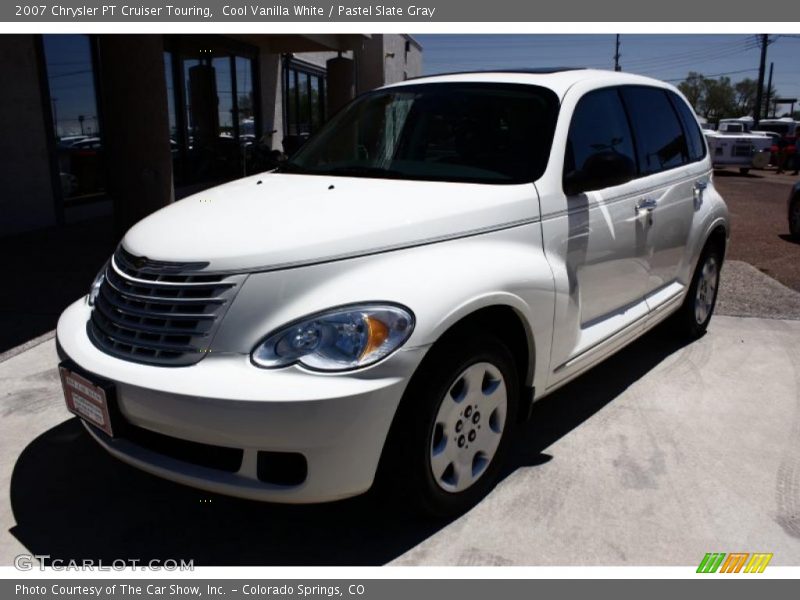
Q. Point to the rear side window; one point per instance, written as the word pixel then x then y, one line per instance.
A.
pixel 694 137
pixel 660 141
pixel 599 126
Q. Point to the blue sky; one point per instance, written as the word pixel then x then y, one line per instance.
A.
pixel 667 57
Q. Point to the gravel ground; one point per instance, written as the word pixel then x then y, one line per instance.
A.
pixel 759 226
pixel 747 292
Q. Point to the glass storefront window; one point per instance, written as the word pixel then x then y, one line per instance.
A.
pixel 222 72
pixel 291 102
pixel 76 123
pixel 173 128
pixel 245 101
pixel 219 110
pixel 305 101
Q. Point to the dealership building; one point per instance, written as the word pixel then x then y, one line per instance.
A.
pixel 92 125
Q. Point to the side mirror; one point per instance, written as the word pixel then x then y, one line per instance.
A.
pixel 601 170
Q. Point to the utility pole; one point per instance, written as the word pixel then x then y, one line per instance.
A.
pixel 769 90
pixel 616 56
pixel 760 89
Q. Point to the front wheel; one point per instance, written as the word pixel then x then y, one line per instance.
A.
pixel 695 314
pixel 451 435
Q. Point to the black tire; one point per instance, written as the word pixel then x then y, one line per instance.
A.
pixel 794 218
pixel 687 321
pixel 406 473
pixel 744 170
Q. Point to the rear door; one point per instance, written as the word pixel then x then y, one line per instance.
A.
pixel 670 177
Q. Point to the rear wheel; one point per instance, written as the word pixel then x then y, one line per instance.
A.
pixel 451 435
pixel 694 316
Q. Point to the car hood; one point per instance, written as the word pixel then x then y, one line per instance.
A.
pixel 273 220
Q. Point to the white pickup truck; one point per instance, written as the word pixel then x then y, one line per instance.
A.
pixel 735 145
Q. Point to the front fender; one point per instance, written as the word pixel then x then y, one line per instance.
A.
pixel 441 283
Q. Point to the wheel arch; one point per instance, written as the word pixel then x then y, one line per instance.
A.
pixel 508 322
pixel 718 236
pixel 510 326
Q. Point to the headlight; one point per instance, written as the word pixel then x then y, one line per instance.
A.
pixel 94 290
pixel 341 339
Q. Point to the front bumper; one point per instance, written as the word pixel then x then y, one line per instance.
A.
pixel 339 423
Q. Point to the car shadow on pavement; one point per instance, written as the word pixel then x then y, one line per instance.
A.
pixel 786 237
pixel 72 501
pixel 50 269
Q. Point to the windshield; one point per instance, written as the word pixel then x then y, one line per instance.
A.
pixel 471 132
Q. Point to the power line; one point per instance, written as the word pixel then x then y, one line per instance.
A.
pixel 689 54
pixel 701 56
pixel 714 75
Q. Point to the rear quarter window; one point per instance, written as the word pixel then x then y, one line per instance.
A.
pixel 660 140
pixel 694 137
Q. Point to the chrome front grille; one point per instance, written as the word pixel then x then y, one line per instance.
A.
pixel 159 312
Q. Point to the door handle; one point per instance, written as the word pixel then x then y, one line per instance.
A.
pixel 646 204
pixel 697 192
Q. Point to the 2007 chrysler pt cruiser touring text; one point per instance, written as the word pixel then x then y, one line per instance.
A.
pixel 387 304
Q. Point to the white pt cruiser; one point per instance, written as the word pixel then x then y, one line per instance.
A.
pixel 388 305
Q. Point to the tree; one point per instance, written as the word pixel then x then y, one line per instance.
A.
pixel 719 98
pixel 746 96
pixel 692 88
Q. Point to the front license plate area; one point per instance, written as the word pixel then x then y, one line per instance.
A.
pixel 87 399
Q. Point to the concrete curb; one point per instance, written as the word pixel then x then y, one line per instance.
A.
pixel 27 345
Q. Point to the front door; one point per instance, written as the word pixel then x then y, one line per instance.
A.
pixel 597 242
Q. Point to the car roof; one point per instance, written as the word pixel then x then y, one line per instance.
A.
pixel 558 79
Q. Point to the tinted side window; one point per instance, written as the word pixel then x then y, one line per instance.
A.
pixel 660 142
pixel 694 137
pixel 599 126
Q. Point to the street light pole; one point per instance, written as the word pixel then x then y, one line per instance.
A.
pixel 616 56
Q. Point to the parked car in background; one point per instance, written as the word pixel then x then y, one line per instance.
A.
pixel 784 127
pixel 793 206
pixel 387 304
pixel 736 125
pixel 784 139
pixel 730 147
